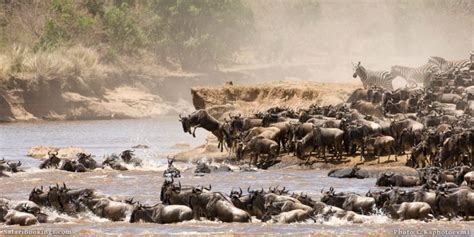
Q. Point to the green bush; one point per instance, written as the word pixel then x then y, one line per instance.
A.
pixel 122 31
pixel 201 33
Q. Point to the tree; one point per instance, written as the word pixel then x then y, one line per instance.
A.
pixel 202 33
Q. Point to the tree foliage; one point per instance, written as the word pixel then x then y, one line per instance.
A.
pixel 195 34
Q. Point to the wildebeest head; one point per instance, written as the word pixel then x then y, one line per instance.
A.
pixel 385 179
pixel 257 201
pixel 235 193
pixel 278 191
pixel 39 196
pixel 127 155
pixel 142 213
pixel 327 195
pixel 236 122
pixel 3 212
pixel 170 191
pixel 14 166
pixel 185 122
pixel 269 118
pixel 303 198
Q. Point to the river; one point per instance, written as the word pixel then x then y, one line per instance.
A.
pixel 161 135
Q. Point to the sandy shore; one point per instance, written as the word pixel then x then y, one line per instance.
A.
pixel 209 151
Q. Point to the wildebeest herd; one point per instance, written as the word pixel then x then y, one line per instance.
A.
pixel 432 127
pixel 82 163
pixel 275 205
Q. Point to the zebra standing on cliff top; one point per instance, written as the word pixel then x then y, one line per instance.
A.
pixel 414 75
pixel 373 78
pixel 444 65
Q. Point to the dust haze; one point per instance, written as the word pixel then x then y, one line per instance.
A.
pixel 330 35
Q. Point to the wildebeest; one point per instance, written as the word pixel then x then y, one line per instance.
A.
pixel 114 162
pixel 87 161
pixel 409 210
pixel 359 204
pixel 459 202
pixel 39 196
pixel 162 214
pixel 258 146
pixel 52 162
pixel 201 118
pixel 129 157
pixel 106 208
pixel 391 179
pixel 469 178
pixel 380 144
pixel 216 206
pixel 13 217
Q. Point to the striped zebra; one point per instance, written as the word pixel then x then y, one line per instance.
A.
pixel 373 78
pixel 415 75
pixel 444 65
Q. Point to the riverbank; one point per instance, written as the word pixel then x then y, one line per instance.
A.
pixel 144 92
pixel 209 151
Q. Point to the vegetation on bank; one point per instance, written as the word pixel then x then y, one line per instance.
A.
pixel 191 35
pixel 45 37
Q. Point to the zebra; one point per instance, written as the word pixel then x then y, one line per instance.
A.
pixel 444 65
pixel 414 75
pixel 373 78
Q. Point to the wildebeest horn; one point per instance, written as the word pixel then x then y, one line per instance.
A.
pixel 8 162
pixel 19 163
pixel 240 191
pixel 179 184
pixel 248 189
pixel 57 185
pixel 64 185
pixel 180 116
pixel 331 189
pixel 261 191
pixel 210 187
pixel 322 190
pixel 41 187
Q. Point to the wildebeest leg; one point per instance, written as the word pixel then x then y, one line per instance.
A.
pixel 194 130
pixel 255 159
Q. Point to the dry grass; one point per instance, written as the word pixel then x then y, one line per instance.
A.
pixel 77 61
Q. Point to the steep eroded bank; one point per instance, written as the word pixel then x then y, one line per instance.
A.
pixel 253 98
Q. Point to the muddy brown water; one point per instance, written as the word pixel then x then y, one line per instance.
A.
pixel 106 137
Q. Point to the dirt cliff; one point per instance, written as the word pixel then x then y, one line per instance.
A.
pixel 249 99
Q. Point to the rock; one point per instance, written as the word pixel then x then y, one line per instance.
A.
pixel 181 146
pixel 352 172
pixel 41 152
